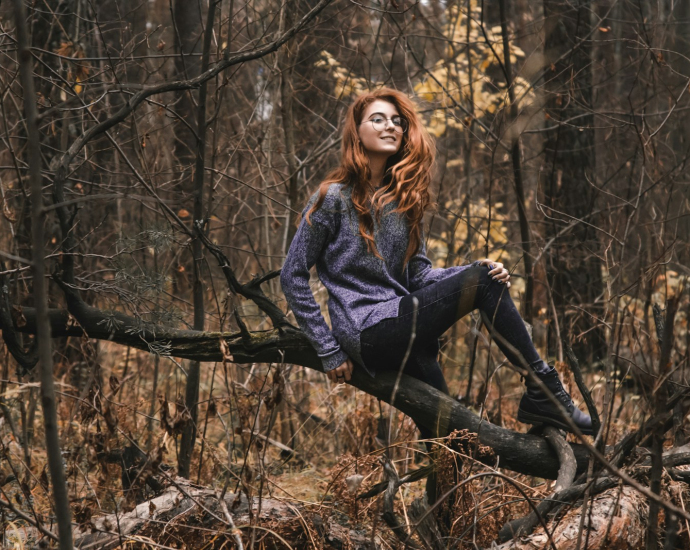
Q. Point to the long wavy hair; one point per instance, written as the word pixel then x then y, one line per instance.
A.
pixel 407 175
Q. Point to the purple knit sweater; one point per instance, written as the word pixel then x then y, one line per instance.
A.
pixel 362 289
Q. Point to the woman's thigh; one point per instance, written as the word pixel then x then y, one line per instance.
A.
pixel 439 306
pixel 422 362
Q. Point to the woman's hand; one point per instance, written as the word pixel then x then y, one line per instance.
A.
pixel 498 272
pixel 341 374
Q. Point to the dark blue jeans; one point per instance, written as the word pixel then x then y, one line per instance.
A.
pixel 440 305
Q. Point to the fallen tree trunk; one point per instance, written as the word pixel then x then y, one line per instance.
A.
pixel 617 519
pixel 186 515
pixel 522 453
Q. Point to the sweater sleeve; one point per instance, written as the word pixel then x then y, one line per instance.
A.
pixel 421 273
pixel 306 247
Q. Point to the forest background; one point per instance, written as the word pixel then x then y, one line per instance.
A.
pixel 175 143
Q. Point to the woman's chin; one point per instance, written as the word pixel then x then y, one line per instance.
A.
pixel 389 151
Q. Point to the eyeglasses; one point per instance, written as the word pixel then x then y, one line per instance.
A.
pixel 378 122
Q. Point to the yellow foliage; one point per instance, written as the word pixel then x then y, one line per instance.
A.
pixel 437 123
pixel 664 287
pixel 479 217
pixel 469 74
pixel 346 83
pixel 478 220
pixel 78 71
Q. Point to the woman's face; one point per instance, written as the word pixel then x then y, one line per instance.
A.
pixel 380 130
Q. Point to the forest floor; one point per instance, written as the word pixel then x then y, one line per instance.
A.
pixel 272 436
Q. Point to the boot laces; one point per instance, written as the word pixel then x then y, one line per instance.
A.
pixel 562 395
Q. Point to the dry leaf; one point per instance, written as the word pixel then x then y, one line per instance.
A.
pixel 9 215
pixel 18 317
pixel 353 482
pixel 225 350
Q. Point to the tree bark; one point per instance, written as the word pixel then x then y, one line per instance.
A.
pixel 301 526
pixel 574 269
pixel 45 357
pixel 566 475
pixel 286 59
pixel 516 158
pixel 193 375
pixel 665 335
pixel 617 520
pixel 189 145
pixel 186 15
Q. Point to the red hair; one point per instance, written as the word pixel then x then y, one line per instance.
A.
pixel 406 179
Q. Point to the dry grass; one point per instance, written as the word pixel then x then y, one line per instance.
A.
pixel 291 436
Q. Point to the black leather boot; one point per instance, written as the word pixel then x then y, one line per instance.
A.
pixel 537 408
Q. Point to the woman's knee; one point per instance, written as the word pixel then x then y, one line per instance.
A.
pixel 484 279
pixel 480 272
pixel 474 275
pixel 490 293
pixel 481 280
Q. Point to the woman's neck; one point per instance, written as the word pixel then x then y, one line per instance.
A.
pixel 377 167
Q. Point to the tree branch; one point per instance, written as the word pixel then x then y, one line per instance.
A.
pixel 524 453
pixel 61 163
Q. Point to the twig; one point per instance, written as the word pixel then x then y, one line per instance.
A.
pixel 28 519
pixel 584 390
pixel 606 464
pixel 469 479
pixel 27 359
pixel 410 343
pixel 62 163
pixel 234 531
pixel 393 483
pixel 414 475
pixel 426 525
pixel 251 290
pixel 566 475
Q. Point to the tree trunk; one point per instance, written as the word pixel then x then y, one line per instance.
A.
pixel 193 375
pixel 45 351
pixel 617 520
pixel 183 507
pixel 516 157
pixel 573 267
pixel 186 15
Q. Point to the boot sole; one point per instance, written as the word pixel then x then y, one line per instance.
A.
pixel 529 418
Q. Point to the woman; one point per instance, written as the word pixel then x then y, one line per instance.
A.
pixel 363 231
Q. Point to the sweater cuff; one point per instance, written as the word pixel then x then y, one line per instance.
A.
pixel 333 360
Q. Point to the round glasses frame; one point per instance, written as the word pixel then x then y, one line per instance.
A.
pixel 378 123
